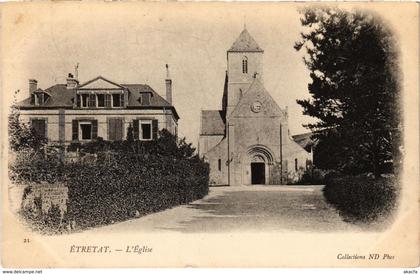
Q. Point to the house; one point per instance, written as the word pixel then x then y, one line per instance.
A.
pixel 248 140
pixel 73 112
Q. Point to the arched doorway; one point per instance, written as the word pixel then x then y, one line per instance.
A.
pixel 257 170
pixel 258 165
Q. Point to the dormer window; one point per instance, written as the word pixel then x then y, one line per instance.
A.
pixel 101 100
pixel 92 100
pixel 244 64
pixel 145 98
pixel 40 97
pixel 117 100
pixel 84 100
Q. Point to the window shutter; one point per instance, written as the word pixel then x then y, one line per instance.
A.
pixel 122 100
pixel 136 129
pixel 119 129
pixel 75 130
pixel 155 129
pixel 94 129
pixel 111 129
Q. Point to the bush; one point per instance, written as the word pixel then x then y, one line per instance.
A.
pixel 361 198
pixel 133 185
pixel 138 178
pixel 312 176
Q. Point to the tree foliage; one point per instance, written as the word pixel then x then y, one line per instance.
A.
pixel 21 135
pixel 353 65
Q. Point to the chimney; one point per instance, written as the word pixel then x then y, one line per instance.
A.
pixel 32 86
pixel 168 82
pixel 71 82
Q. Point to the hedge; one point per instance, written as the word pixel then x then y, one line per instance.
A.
pixel 133 185
pixel 361 198
pixel 129 179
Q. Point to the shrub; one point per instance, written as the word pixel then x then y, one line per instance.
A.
pixel 312 176
pixel 361 198
pixel 136 179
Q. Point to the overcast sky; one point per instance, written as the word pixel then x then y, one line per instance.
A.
pixel 132 45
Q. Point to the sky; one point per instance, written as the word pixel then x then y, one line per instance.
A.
pixel 132 43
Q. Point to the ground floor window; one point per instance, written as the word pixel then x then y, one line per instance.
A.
pixel 146 130
pixel 296 164
pixel 219 164
pixel 40 127
pixel 86 130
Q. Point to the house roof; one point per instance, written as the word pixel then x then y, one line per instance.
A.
pixel 245 43
pixel 212 122
pixel 136 89
pixel 62 97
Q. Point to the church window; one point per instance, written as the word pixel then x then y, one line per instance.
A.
pixel 219 164
pixel 245 65
pixel 296 164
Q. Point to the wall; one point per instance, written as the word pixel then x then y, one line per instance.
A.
pixel 207 142
pixel 218 177
pixel 165 120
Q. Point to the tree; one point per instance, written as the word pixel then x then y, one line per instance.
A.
pixel 353 65
pixel 22 136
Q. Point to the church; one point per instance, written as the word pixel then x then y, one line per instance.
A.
pixel 248 141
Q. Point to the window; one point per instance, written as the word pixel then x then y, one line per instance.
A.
pixel 85 130
pixel 296 164
pixel 101 100
pixel 146 130
pixel 85 98
pixel 92 100
pixel 40 127
pixel 39 98
pixel 116 100
pixel 245 65
pixel 145 99
pixel 219 164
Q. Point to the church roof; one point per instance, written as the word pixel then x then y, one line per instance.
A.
pixel 212 122
pixel 245 43
pixel 304 140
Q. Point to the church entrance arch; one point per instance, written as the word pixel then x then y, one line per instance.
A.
pixel 257 166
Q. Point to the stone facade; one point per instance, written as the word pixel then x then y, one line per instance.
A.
pixel 67 113
pixel 248 141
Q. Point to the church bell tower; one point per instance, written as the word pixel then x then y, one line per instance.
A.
pixel 244 64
